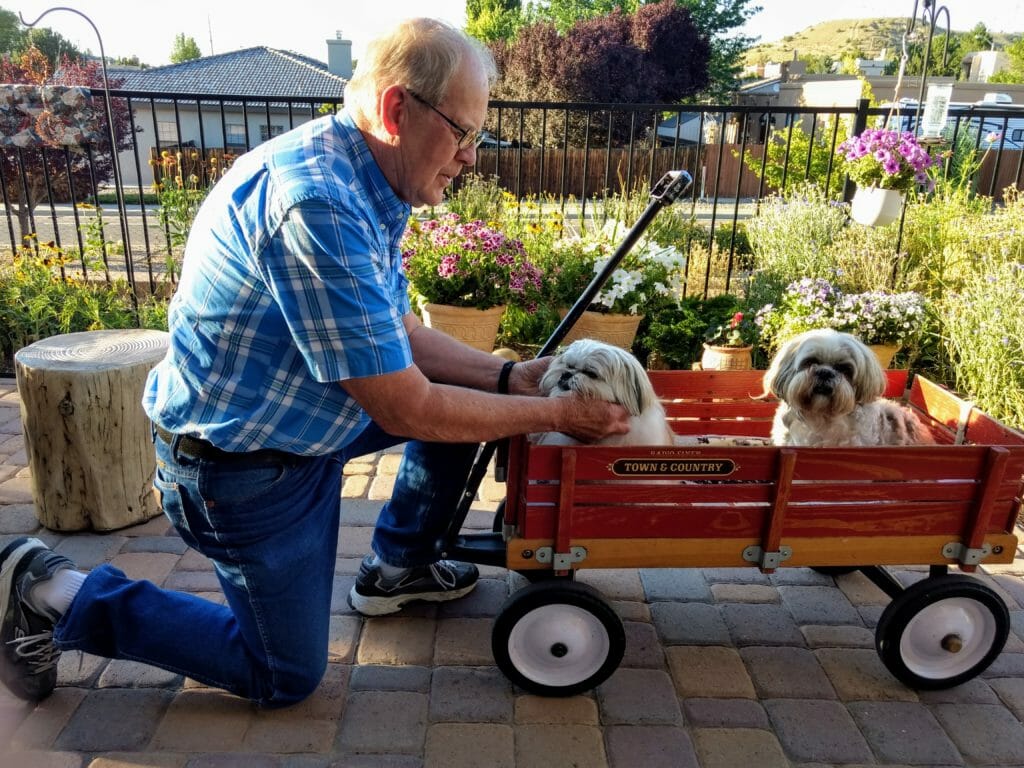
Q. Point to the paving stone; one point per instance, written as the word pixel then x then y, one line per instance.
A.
pixel 638 697
pixel 471 695
pixel 397 640
pixel 388 722
pixel 18 519
pixel 800 576
pixel 147 759
pixel 724 713
pixel 682 584
pixel 614 583
pixel 732 747
pixel 484 601
pixel 1006 665
pixel 650 746
pixel 840 636
pixel 753 624
pixel 39 726
pixel 735 576
pixel 1010 691
pixel 974 691
pixel 233 760
pixel 629 610
pixel 356 487
pixel 375 677
pixel 341 586
pixel 860 675
pixel 114 720
pixel 343 638
pixel 643 649
pixel 983 733
pixel 819 605
pixel 16 490
pixel 559 746
pixel 860 590
pixel 79 669
pixel 744 593
pixel 903 732
pixel 786 673
pixel 690 624
pixel 378 761
pixel 192 581
pixel 151 566
pixel 87 550
pixel 326 703
pixel 465 642
pixel 119 673
pixel 462 745
pixel 359 512
pixel 381 487
pixel 709 672
pixel 354 541
pixel 834 737
pixel 166 544
pixel 203 720
pixel 579 710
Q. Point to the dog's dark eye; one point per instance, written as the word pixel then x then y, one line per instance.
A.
pixel 845 370
pixel 808 362
pixel 590 374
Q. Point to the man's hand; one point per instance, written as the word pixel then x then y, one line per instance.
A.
pixel 525 377
pixel 589 420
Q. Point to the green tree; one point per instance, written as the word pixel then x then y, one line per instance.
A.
pixel 718 19
pixel 15 40
pixel 491 20
pixel 185 49
pixel 11 33
pixel 1015 73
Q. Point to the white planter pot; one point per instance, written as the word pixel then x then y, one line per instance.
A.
pixel 874 207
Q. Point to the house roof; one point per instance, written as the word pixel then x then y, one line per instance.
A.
pixel 259 71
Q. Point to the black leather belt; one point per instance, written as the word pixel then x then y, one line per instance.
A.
pixel 198 448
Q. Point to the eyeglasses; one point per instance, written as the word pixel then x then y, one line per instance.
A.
pixel 467 138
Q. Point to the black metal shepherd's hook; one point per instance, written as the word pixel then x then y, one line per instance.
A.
pixel 121 212
pixel 929 15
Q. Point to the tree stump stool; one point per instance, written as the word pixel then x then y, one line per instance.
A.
pixel 88 441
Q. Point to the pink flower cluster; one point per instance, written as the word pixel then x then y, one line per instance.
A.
pixel 887 159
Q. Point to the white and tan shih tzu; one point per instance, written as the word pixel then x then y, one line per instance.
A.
pixel 831 387
pixel 606 372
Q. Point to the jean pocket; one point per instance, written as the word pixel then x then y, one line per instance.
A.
pixel 230 485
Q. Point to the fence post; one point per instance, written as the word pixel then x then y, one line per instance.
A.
pixel 860 122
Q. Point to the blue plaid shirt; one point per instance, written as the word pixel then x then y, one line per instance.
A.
pixel 291 282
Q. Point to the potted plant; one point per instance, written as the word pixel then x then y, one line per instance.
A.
pixel 650 276
pixel 878 318
pixel 885 165
pixel 728 345
pixel 462 274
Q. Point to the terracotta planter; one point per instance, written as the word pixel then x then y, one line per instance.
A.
pixel 876 207
pixel 475 327
pixel 885 353
pixel 619 330
pixel 726 358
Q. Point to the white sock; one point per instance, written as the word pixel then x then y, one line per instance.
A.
pixel 57 592
pixel 387 570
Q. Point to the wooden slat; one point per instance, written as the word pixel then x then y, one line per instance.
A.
pixel 777 516
pixel 727 552
pixel 981 511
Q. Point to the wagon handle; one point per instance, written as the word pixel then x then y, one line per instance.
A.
pixel 666 191
pixel 669 188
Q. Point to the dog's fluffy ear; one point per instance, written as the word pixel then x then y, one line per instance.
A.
pixel 642 396
pixel 870 381
pixel 779 373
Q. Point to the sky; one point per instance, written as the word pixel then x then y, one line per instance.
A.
pixel 147 29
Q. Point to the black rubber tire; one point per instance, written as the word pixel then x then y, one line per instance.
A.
pixel 557 639
pixel 979 621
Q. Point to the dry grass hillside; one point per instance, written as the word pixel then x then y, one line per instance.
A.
pixel 835 38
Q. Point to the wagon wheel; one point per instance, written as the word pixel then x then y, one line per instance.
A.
pixel 942 632
pixel 557 639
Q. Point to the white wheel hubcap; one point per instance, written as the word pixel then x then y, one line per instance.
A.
pixel 558 645
pixel 948 638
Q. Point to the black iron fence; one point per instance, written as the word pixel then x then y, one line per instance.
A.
pixel 134 225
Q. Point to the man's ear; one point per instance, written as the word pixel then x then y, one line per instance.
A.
pixel 394 100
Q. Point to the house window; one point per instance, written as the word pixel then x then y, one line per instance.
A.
pixel 269 131
pixel 167 131
pixel 234 134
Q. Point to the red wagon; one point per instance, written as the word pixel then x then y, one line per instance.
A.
pixel 725 497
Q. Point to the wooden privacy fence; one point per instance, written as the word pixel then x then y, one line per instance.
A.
pixel 527 171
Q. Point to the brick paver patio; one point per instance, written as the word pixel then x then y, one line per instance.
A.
pixel 723 668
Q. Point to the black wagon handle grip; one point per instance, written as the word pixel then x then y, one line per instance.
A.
pixel 668 189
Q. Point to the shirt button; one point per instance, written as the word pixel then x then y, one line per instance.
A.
pixel 383 227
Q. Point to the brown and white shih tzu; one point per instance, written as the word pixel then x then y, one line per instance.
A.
pixel 831 387
pixel 606 372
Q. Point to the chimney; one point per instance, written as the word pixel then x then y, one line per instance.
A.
pixel 339 56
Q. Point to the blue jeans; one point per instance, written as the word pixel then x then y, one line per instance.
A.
pixel 271 530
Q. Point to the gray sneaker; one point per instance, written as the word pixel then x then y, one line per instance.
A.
pixel 373 595
pixel 28 657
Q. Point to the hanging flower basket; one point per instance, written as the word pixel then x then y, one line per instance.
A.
pixel 875 207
